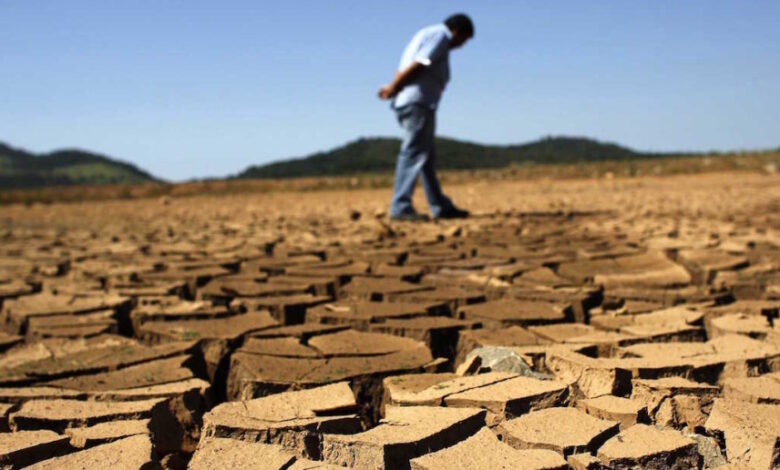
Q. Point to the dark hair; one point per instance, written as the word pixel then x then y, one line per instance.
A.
pixel 461 23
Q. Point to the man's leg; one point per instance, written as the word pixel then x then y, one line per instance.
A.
pixel 437 201
pixel 415 151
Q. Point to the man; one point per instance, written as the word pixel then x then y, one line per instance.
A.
pixel 415 91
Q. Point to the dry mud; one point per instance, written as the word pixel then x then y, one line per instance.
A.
pixel 582 324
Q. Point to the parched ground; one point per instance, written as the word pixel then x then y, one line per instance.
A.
pixel 610 323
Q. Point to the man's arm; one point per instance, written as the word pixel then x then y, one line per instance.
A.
pixel 402 78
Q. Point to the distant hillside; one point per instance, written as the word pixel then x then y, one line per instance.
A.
pixel 376 155
pixel 20 169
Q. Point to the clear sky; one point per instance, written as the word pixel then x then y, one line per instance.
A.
pixel 202 88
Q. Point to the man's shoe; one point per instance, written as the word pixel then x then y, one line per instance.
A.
pixel 454 213
pixel 409 217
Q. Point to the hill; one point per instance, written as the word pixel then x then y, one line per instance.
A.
pixel 20 169
pixel 375 155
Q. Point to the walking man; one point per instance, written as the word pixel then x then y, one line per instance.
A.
pixel 415 92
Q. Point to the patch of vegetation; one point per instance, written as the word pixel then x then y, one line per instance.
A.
pixel 378 155
pixel 20 169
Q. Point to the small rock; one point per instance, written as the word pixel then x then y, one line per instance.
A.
pixel 497 359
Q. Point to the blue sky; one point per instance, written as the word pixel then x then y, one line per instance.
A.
pixel 202 88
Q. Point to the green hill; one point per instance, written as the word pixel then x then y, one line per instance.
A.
pixel 375 155
pixel 20 169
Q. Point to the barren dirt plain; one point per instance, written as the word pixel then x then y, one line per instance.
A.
pixel 585 324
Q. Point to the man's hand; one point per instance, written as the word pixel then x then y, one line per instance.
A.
pixel 387 91
pixel 402 78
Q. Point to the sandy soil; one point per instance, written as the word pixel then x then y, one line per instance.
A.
pixel 615 322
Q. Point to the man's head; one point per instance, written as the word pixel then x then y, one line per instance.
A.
pixel 462 29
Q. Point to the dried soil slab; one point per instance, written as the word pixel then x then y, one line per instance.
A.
pixel 229 328
pixel 287 310
pixel 668 297
pixel 254 375
pixel 406 433
pixel 142 375
pixel 131 453
pixel 584 461
pixel 186 402
pixel 561 333
pixel 577 333
pixel 581 299
pixel 281 347
pixel 317 285
pixel 430 261
pixel 104 433
pixel 187 390
pixel 750 432
pixel 361 314
pixel 703 264
pixel 502 313
pixel 542 277
pixel 403 273
pixel 441 386
pixel 467 280
pixel 378 289
pixel 362 358
pixel 194 278
pixel 645 270
pixel 72 326
pixel 343 273
pixel 642 446
pixel 591 377
pixel 563 430
pixel 24 448
pixel 625 411
pixel 12 288
pixel 303 332
pixel 181 310
pixel 92 356
pixel 8 341
pixel 762 389
pixel 636 307
pixel 75 331
pixel 58 415
pixel 681 350
pixel 19 395
pixel 711 362
pixel 147 289
pixel 663 333
pixel 357 343
pixel 483 451
pixel 654 367
pixel 472 264
pixel 453 297
pixel 294 420
pixel 511 398
pixel 223 289
pixel 402 386
pixel 675 401
pixel 735 356
pixel 440 334
pixel 767 308
pixel 216 337
pixel 754 326
pixel 18 312
pixel 607 250
pixel 679 315
pixel 275 265
pixel 239 455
